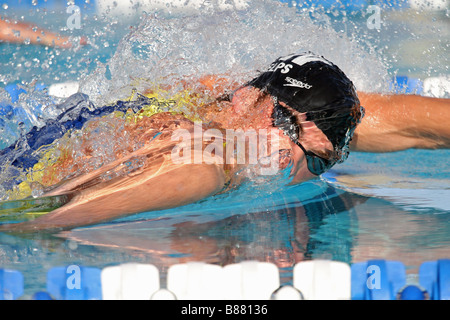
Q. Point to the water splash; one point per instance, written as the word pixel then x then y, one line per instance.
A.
pixel 164 49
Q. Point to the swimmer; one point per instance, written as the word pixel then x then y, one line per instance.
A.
pixel 309 100
pixel 20 32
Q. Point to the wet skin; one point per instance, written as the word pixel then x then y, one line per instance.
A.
pixel 162 184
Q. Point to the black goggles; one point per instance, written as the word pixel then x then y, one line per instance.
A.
pixel 283 119
pixel 316 164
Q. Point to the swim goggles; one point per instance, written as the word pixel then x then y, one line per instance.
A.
pixel 316 164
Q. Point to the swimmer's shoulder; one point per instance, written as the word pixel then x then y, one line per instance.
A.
pixel 211 84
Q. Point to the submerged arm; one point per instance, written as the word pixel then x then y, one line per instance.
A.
pixel 104 202
pixel 399 122
pixel 160 183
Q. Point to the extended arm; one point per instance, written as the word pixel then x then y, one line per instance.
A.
pixel 100 203
pixel 399 122
pixel 113 191
pixel 18 32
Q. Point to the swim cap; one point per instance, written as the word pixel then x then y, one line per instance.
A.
pixel 313 85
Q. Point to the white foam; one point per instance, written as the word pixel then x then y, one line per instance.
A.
pixel 167 48
pixel 63 90
pixel 437 86
pixel 129 9
pixel 428 4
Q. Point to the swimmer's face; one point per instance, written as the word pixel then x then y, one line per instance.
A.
pixel 313 140
pixel 311 137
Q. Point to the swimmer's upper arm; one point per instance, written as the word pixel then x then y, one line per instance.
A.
pixel 399 122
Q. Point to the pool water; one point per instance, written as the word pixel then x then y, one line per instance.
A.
pixel 390 206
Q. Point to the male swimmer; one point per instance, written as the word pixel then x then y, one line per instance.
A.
pixel 309 100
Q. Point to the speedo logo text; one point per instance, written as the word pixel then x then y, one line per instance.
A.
pixel 296 83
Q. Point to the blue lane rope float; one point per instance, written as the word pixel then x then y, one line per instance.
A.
pixel 377 279
pixel 435 278
pixel 74 283
pixel 11 284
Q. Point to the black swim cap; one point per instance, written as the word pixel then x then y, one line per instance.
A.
pixel 313 85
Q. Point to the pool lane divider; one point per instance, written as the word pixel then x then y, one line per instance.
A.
pixel 247 280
